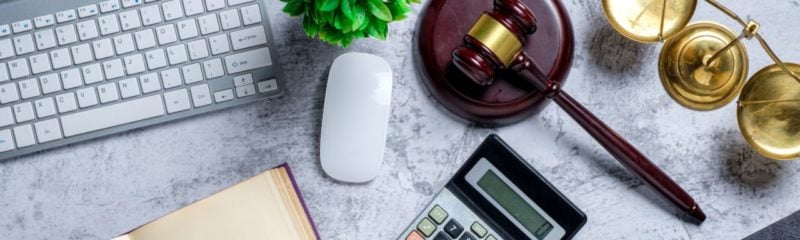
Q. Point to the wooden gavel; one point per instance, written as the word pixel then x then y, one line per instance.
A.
pixel 495 43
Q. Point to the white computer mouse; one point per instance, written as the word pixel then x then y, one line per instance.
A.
pixel 355 117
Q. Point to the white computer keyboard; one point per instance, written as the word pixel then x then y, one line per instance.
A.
pixel 76 70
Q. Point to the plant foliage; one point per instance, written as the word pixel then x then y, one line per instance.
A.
pixel 339 22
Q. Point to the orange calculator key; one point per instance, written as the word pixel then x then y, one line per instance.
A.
pixel 414 235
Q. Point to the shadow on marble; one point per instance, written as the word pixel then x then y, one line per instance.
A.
pixel 613 53
pixel 745 166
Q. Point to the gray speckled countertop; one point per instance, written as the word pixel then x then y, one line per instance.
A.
pixel 101 188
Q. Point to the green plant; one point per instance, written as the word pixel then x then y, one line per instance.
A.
pixel 339 22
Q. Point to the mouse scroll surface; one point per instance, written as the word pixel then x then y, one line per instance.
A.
pixel 355 117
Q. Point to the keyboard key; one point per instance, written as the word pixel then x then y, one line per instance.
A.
pixel 50 83
pixel 124 44
pixel 134 64
pixel 66 102
pixel 18 68
pixel 107 92
pixel 426 227
pixel 22 26
pixel 6 117
pixel 467 236
pixel 92 73
pixel 177 54
pixel 171 78
pixel 177 100
pixel 113 69
pixel 268 85
pixel 87 30
pixel 172 10
pixel 478 229
pixel 131 3
pixel 81 53
pixel 150 15
pixel 193 7
pixel 414 235
pixel 5 30
pixel 29 88
pixel 441 236
pixel 213 68
pixel 245 90
pixel 198 49
pixel 45 39
pixel 200 95
pixel 60 58
pixel 112 115
pixel 223 96
pixel 166 34
pixel 24 136
pixel 208 24
pixel 108 24
pixel 237 2
pixel 8 93
pixel 129 87
pixel 242 80
pixel 3 72
pixel 249 60
pixel 66 16
pixel 251 14
pixel 187 29
pixel 45 107
pixel 192 73
pixel 48 130
pixel 130 20
pixel 6 50
pixel 24 44
pixel 212 5
pixel 66 35
pixel 453 228
pixel 150 83
pixel 40 63
pixel 230 19
pixel 248 37
pixel 44 21
pixel 145 39
pixel 87 11
pixel 23 112
pixel 109 6
pixel 71 78
pixel 219 44
pixel 156 59
pixel 87 97
pixel 6 143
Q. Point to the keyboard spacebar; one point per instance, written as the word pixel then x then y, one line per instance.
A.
pixel 112 115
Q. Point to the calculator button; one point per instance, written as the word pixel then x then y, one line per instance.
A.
pixel 491 237
pixel 467 236
pixel 426 227
pixel 453 228
pixel 478 229
pixel 438 214
pixel 414 235
pixel 441 236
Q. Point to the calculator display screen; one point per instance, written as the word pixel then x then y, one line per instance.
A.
pixel 514 204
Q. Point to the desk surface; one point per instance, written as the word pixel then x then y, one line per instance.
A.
pixel 98 189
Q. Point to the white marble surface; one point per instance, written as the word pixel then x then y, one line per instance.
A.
pixel 105 187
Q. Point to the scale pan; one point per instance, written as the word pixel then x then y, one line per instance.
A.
pixel 640 20
pixel 769 112
pixel 694 84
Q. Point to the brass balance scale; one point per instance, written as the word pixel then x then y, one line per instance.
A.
pixel 703 66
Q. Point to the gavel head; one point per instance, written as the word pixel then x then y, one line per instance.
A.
pixel 495 39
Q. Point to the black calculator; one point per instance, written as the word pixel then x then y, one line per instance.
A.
pixel 496 195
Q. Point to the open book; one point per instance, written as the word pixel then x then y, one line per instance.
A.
pixel 267 206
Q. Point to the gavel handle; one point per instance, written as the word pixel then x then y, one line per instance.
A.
pixel 623 151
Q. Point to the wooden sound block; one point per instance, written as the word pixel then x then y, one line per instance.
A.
pixel 509 99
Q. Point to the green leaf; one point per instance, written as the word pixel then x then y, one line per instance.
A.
pixel 328 5
pixel 399 9
pixel 379 10
pixel 377 29
pixel 359 19
pixel 294 8
pixel 310 27
pixel 328 17
pixel 347 8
